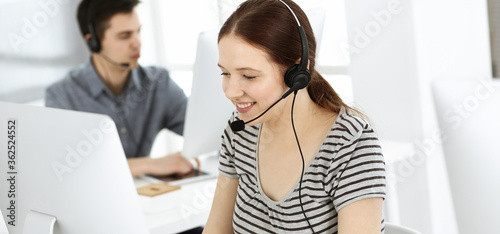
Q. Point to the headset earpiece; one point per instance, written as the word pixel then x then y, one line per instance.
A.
pixel 93 42
pixel 298 76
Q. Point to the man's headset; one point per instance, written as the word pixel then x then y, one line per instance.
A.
pixel 296 77
pixel 94 43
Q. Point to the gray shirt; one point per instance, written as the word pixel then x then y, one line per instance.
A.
pixel 348 166
pixel 149 102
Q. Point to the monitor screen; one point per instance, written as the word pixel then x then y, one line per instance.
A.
pixel 468 113
pixel 208 109
pixel 65 165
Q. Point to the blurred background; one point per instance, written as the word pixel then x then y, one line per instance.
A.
pixel 43 35
pixel 381 56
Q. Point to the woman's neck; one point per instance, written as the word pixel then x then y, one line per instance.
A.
pixel 306 115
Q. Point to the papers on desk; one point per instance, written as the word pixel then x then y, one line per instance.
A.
pixel 3 227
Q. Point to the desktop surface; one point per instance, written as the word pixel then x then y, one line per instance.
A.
pixel 182 209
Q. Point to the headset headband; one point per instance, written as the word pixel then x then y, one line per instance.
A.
pixel 303 41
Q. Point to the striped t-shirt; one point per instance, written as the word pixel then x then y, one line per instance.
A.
pixel 348 167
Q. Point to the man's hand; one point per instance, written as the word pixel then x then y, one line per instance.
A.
pixel 167 165
pixel 170 164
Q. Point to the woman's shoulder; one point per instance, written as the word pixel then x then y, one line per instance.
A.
pixel 349 125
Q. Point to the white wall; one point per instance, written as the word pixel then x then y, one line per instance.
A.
pixel 39 43
pixel 397 48
pixel 452 43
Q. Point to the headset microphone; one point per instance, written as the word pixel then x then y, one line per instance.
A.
pixel 113 62
pixel 239 125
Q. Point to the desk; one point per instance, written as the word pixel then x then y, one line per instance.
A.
pixel 189 206
pixel 179 210
pixel 182 209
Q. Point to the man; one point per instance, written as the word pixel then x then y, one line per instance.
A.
pixel 141 100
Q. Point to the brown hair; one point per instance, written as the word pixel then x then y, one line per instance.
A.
pixel 99 12
pixel 270 26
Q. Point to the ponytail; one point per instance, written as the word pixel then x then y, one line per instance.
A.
pixel 322 93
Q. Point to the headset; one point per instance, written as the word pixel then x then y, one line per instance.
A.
pixel 93 42
pixel 296 77
pixel 95 46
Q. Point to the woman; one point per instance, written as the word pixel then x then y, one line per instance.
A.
pixel 260 188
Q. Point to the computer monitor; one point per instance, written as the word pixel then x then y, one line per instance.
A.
pixel 468 113
pixel 208 109
pixel 64 165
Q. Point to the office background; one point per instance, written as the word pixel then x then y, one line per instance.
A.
pixel 43 35
pixel 379 55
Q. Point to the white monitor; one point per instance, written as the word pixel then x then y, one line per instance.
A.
pixel 469 118
pixel 316 18
pixel 65 166
pixel 208 109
